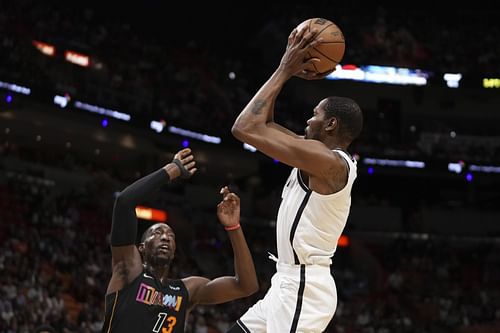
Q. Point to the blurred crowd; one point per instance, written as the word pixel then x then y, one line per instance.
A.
pixel 55 264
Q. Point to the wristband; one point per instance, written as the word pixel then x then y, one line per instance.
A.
pixel 233 227
pixel 185 174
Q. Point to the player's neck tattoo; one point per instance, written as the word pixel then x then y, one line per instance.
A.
pixel 257 106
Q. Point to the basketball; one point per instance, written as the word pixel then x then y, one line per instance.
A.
pixel 331 50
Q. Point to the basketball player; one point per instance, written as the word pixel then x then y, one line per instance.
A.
pixel 141 296
pixel 315 200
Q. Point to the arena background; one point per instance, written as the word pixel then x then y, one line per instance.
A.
pixel 421 247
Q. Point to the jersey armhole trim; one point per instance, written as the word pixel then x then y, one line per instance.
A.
pixel 113 311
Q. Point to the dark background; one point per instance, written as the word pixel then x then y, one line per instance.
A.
pixel 423 251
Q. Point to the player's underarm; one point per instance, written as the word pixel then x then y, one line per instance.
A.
pixel 122 270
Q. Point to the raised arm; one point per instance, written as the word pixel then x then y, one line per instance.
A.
pixel 260 110
pixel 255 124
pixel 126 260
pixel 244 282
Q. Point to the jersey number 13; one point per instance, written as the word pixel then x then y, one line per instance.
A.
pixel 162 317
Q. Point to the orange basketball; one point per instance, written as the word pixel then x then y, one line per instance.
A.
pixel 331 50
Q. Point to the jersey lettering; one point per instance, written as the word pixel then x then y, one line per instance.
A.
pixel 149 295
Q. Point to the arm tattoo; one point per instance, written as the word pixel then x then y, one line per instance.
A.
pixel 257 107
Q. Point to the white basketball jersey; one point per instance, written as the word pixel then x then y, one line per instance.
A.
pixel 309 224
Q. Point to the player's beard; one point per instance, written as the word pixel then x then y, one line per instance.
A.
pixel 157 260
pixel 308 134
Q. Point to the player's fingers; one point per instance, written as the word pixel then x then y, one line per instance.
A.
pixel 310 62
pixel 300 33
pixel 224 190
pixel 316 41
pixel 324 74
pixel 308 37
pixel 307 74
pixel 185 151
pixel 233 197
pixel 311 34
pixel 193 171
pixel 182 153
pixel 230 196
pixel 299 36
pixel 292 35
pixel 190 165
pixel 187 159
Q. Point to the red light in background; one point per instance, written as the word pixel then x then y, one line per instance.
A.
pixel 77 58
pixel 349 67
pixel 344 241
pixel 151 214
pixel 45 48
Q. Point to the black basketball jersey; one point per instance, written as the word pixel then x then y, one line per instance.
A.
pixel 145 306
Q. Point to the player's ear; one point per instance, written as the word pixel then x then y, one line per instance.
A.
pixel 140 247
pixel 332 124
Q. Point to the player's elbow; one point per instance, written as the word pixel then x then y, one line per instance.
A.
pixel 240 132
pixel 249 291
pixel 123 199
pixel 254 288
pixel 245 132
pixel 249 288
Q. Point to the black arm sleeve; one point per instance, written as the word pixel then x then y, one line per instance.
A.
pixel 124 225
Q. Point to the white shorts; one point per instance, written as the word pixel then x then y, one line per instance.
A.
pixel 302 298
